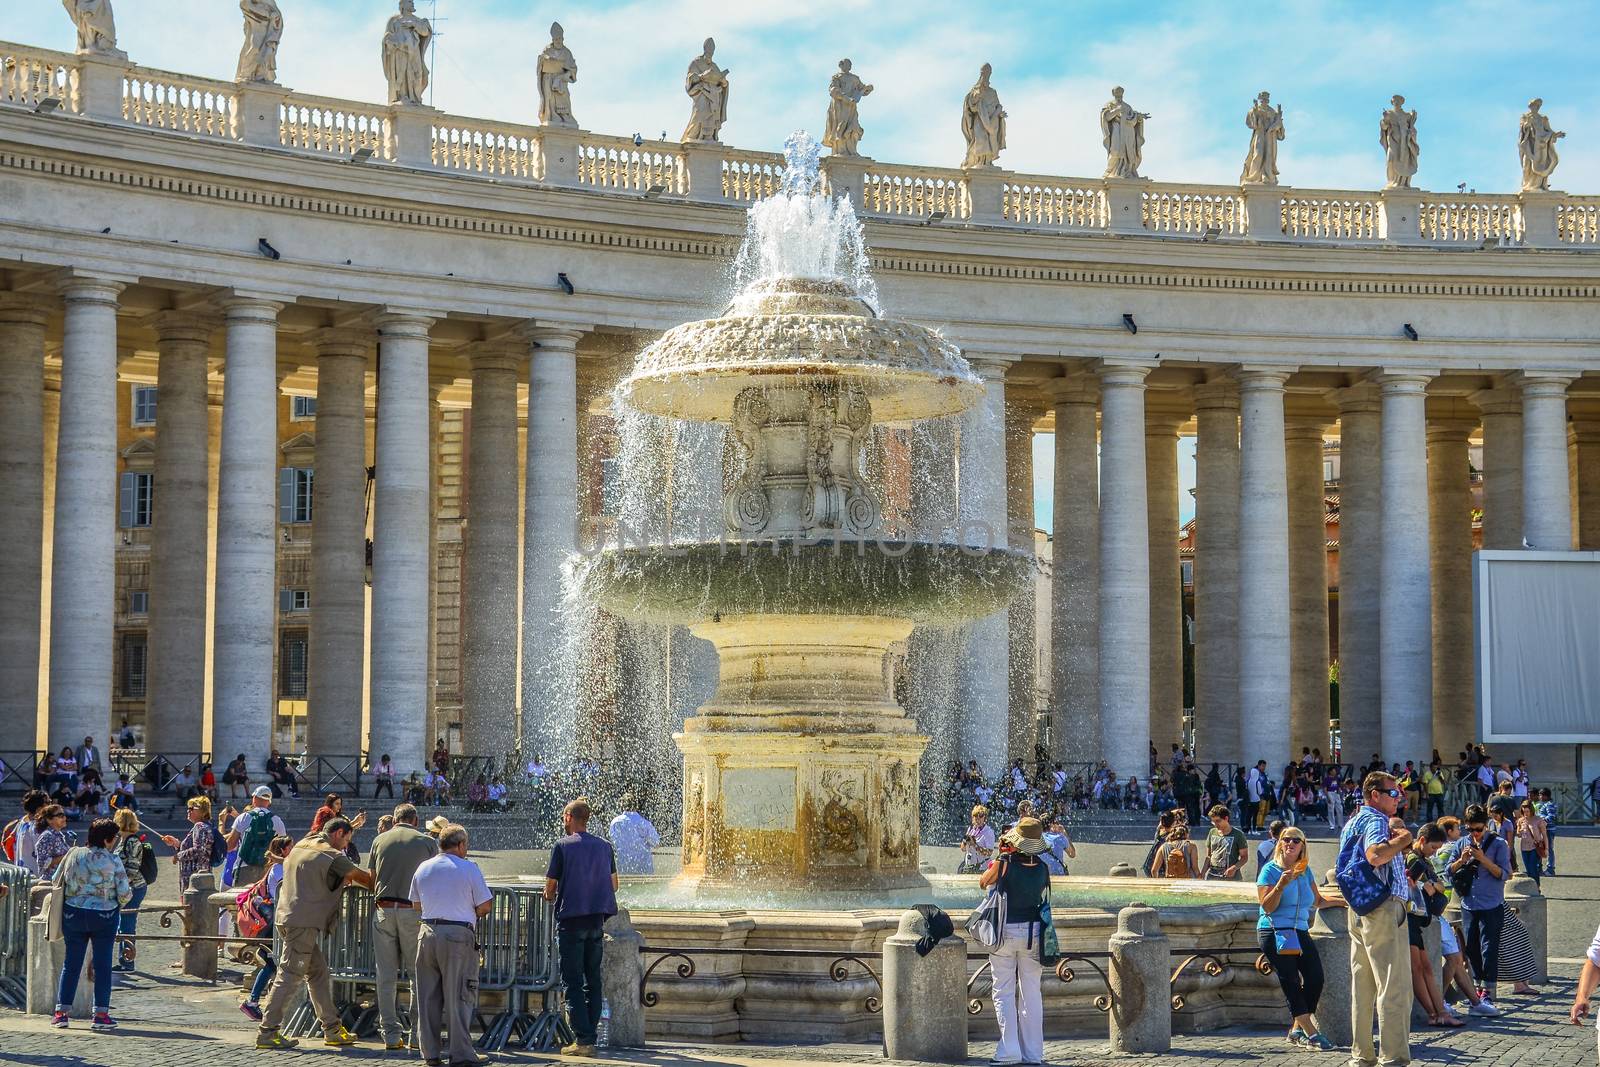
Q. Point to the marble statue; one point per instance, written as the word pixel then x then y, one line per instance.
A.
pixel 263 28
pixel 1397 132
pixel 557 71
pixel 1122 133
pixel 843 130
pixel 97 29
pixel 1536 143
pixel 983 122
pixel 405 51
pixel 707 86
pixel 1266 130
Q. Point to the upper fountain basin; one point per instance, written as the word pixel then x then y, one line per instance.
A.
pixel 781 329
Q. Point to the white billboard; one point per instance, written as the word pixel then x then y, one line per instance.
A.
pixel 1537 646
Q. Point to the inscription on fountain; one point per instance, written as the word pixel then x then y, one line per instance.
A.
pixel 758 798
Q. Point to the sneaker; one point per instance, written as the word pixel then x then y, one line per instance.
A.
pixel 339 1038
pixel 1484 1009
pixel 275 1040
pixel 59 1020
pixel 1319 1042
pixel 1297 1037
pixel 252 1011
pixel 570 1049
pixel 103 1021
pixel 394 1046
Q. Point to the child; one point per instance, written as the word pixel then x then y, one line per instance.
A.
pixel 266 903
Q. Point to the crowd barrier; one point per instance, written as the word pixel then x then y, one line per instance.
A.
pixel 14 936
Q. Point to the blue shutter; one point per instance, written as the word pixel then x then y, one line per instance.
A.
pixel 285 601
pixel 286 494
pixel 125 498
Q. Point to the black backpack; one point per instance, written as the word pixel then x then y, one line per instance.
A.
pixel 219 848
pixel 1461 878
pixel 148 867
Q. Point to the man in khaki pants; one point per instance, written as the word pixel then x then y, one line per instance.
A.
pixel 452 896
pixel 395 857
pixel 1380 957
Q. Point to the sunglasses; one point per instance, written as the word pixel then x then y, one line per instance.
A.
pixel 1393 793
pixel 1294 841
pixel 1477 829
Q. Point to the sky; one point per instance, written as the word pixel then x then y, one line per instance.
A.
pixel 1468 67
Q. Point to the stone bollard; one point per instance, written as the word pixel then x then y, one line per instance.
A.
pixel 1122 869
pixel 1141 983
pixel 1330 933
pixel 1533 908
pixel 924 997
pixel 200 918
pixel 45 960
pixel 621 970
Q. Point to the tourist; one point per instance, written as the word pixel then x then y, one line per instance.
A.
pixel 236 776
pixel 385 824
pixel 478 794
pixel 185 784
pixel 413 792
pixel 208 783
pixel 1255 787
pixel 1017 963
pixel 283 775
pixel 1177 858
pixel 1454 970
pixel 1427 904
pixel 1061 848
pixel 977 845
pixel 499 795
pixel 51 844
pixel 1288 895
pixel 1534 841
pixel 581 882
pixel 122 793
pixel 1588 981
pixel 87 756
pixel 450 894
pixel 1164 824
pixel 1433 792
pixel 383 777
pixel 1265 850
pixel 1503 816
pixel 125 738
pixel 21 834
pixel 633 836
pixel 1519 780
pixel 1546 807
pixel 251 833
pixel 263 897
pixel 1226 847
pixel 332 807
pixel 396 854
pixel 441 757
pixel 94 887
pixel 1379 952
pixel 436 826
pixel 131 849
pixel 197 851
pixel 315 874
pixel 1485 859
pixel 66 773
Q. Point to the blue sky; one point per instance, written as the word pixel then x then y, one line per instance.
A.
pixel 1469 67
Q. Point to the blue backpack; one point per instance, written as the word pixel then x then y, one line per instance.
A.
pixel 1364 888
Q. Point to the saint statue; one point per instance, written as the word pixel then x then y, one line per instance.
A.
pixel 1397 132
pixel 707 86
pixel 263 28
pixel 1122 133
pixel 983 122
pixel 557 71
pixel 97 30
pixel 1266 130
pixel 1536 144
pixel 843 129
pixel 405 50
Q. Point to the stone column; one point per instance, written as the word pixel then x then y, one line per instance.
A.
pixel 489 637
pixel 1163 416
pixel 1141 968
pixel 245 627
pixel 52 421
pixel 1075 571
pixel 338 544
pixel 1216 573
pixel 1450 547
pixel 1501 409
pixel 924 997
pixel 400 557
pixel 1405 600
pixel 22 322
pixel 981 497
pixel 1546 501
pixel 1022 614
pixel 1263 568
pixel 82 577
pixel 1124 574
pixel 550 532
pixel 1586 431
pixel 179 553
pixel 1308 585
pixel 1360 553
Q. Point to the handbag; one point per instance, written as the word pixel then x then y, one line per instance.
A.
pixel 1049 943
pixel 1287 942
pixel 987 923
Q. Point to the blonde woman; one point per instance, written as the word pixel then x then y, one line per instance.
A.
pixel 130 850
pixel 1288 896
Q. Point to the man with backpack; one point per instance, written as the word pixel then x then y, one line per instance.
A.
pixel 19 835
pixel 250 835
pixel 1371 873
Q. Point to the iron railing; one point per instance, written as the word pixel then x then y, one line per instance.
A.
pixel 18 768
pixel 15 883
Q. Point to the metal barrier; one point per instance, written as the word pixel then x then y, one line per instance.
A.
pixel 330 774
pixel 17 769
pixel 156 770
pixel 17 883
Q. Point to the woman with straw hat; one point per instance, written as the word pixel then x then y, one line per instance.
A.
pixel 1017 963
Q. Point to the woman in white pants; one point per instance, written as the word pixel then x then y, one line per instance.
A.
pixel 1016 963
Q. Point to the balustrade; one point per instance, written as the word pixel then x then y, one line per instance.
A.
pixel 1194 209
pixel 1578 220
pixel 1034 200
pixel 618 163
pixel 337 127
pixel 500 151
pixel 1471 219
pixel 914 192
pixel 31 75
pixel 1331 215
pixel 749 176
pixel 178 102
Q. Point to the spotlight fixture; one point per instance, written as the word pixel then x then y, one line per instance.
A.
pixel 266 249
pixel 361 155
pixel 933 217
pixel 1128 324
pixel 565 283
pixel 654 191
pixel 46 105
pixel 1212 233
pixel 1411 332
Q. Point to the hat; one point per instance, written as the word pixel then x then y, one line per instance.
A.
pixel 437 824
pixel 262 792
pixel 1027 837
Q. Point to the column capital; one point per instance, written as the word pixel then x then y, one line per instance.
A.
pixel 1256 379
pixel 1219 394
pixel 1402 382
pixel 1451 429
pixel 490 356
pixel 553 335
pixel 1075 387
pixel 990 368
pixel 1165 410
pixel 1358 399
pixel 341 341
pixel 193 327
pixel 32 308
pixel 241 307
pixel 406 322
pixel 1122 374
pixel 1504 399
pixel 1544 383
pixel 1305 428
pixel 1586 429
pixel 91 289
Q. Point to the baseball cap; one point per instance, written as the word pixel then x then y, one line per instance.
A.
pixel 262 792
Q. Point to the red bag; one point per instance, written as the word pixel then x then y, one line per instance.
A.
pixel 251 920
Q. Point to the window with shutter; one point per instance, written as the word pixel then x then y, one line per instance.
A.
pixel 135 499
pixel 134 648
pixel 286 495
pixel 292 656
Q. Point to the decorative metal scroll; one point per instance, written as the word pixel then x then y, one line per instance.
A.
pixel 839 971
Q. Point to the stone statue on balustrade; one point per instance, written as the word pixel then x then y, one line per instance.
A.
pixel 1122 133
pixel 983 122
pixel 557 71
pixel 263 29
pixel 1266 130
pixel 707 86
pixel 97 29
pixel 842 132
pixel 1397 132
pixel 405 54
pixel 1536 143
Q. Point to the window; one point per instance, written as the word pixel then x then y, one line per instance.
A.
pixel 302 408
pixel 136 499
pixel 292 647
pixel 1327 470
pixel 294 495
pixel 1187 569
pixel 144 405
pixel 294 600
pixel 139 602
pixel 133 664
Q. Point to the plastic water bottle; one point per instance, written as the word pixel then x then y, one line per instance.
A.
pixel 602 1032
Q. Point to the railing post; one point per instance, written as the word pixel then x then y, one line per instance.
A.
pixel 100 84
pixel 1330 932
pixel 986 193
pixel 847 177
pixel 621 971
pixel 924 997
pixel 1263 211
pixel 45 960
pixel 1125 204
pixel 257 117
pixel 1400 216
pixel 558 147
pixel 1538 210
pixel 200 920
pixel 1141 1006
pixel 410 134
pixel 702 161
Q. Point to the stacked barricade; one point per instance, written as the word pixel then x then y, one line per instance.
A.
pixel 17 883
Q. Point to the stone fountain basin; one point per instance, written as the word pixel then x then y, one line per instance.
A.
pixel 927 583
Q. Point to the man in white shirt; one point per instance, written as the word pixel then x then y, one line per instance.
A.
pixel 1588 980
pixel 1255 782
pixel 252 848
pixel 452 895
pixel 633 836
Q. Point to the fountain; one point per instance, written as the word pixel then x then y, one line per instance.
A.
pixel 801 772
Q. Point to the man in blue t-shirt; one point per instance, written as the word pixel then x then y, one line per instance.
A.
pixel 582 883
pixel 1380 956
